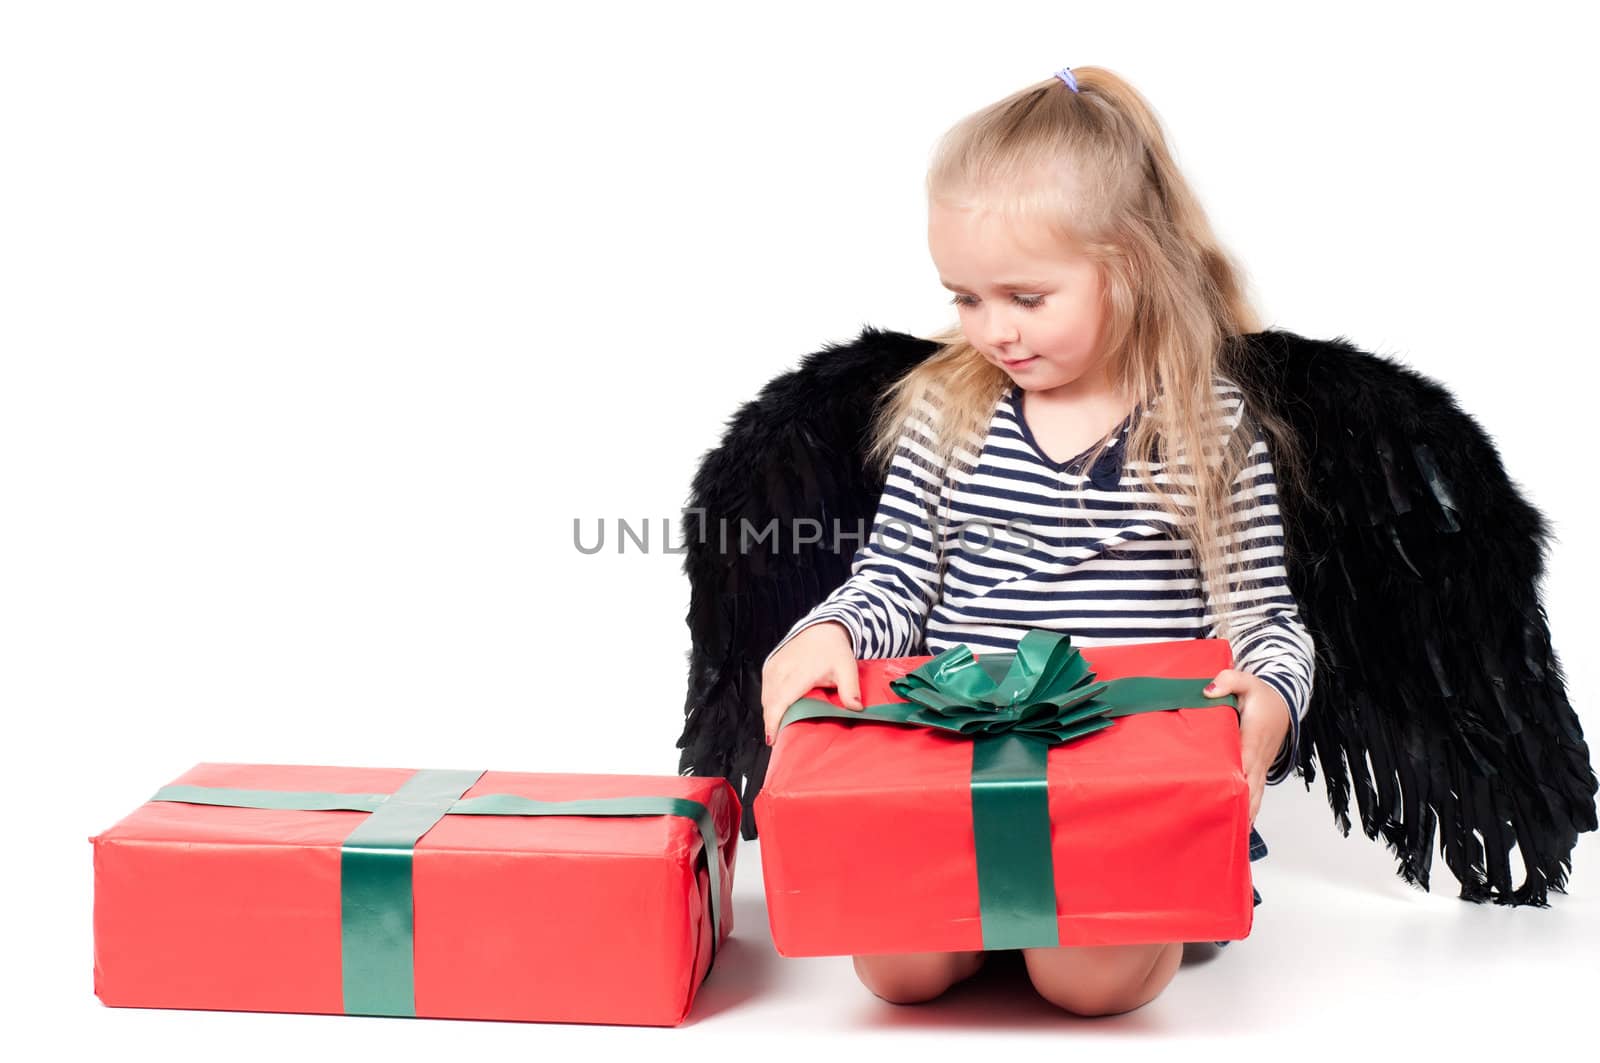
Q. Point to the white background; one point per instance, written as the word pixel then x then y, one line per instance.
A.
pixel 322 322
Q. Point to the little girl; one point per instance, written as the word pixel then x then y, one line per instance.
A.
pixel 1039 471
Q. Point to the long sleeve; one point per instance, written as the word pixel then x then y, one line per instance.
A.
pixel 893 580
pixel 1268 638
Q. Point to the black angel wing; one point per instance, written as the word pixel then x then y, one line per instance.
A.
pixel 1413 557
pixel 1416 565
pixel 768 535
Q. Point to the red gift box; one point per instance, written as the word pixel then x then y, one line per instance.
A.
pixel 868 840
pixel 534 916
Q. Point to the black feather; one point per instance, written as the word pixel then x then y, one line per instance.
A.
pixel 1416 564
pixel 796 451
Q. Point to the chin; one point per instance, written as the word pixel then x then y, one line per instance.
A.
pixel 1040 380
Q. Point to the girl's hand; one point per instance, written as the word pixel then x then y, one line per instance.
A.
pixel 1263 725
pixel 820 656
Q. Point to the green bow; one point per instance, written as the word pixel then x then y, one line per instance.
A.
pixel 957 695
pixel 1015 707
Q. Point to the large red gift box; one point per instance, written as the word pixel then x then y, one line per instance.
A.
pixel 867 828
pixel 504 914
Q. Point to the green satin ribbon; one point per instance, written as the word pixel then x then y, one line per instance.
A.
pixel 376 913
pixel 1015 707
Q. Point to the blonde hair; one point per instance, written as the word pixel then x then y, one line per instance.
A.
pixel 1092 171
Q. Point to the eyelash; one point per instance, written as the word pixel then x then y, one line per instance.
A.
pixel 1038 301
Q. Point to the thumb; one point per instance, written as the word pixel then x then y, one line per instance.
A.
pixel 1226 682
pixel 847 679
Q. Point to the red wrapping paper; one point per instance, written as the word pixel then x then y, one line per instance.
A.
pixel 534 918
pixel 867 837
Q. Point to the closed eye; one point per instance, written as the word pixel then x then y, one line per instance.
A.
pixel 1030 302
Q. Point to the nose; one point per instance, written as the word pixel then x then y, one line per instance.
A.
pixel 994 329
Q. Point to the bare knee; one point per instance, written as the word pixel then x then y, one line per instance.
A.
pixel 1108 980
pixel 915 977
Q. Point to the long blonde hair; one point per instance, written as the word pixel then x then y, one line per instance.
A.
pixel 1092 170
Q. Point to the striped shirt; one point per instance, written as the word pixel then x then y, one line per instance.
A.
pixel 1036 543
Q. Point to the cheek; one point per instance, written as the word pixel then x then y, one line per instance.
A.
pixel 1068 333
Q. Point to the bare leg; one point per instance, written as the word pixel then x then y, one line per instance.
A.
pixel 1103 979
pixel 915 977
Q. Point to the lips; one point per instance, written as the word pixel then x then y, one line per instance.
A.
pixel 1019 362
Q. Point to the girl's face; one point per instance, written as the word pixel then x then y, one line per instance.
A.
pixel 1034 311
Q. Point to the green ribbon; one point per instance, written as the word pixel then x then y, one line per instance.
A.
pixel 1015 707
pixel 376 913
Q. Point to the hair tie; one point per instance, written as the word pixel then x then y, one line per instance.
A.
pixel 1065 74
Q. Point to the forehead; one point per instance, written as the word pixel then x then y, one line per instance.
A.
pixel 975 246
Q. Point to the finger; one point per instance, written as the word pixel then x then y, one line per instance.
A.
pixel 783 695
pixel 769 721
pixel 769 698
pixel 775 703
pixel 847 680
